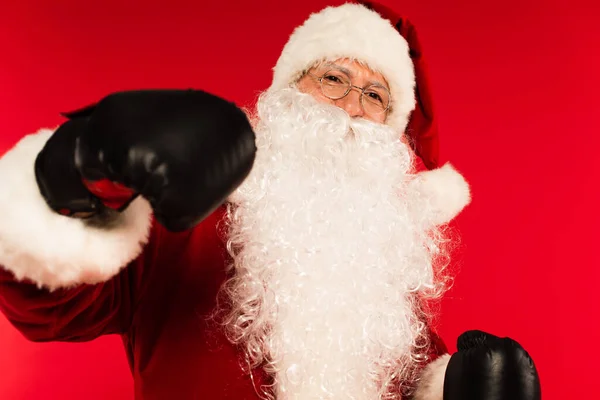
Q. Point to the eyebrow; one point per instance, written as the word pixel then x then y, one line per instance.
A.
pixel 348 72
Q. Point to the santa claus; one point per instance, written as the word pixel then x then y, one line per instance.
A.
pixel 289 255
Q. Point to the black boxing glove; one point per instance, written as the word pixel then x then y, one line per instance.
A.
pixel 58 177
pixel 487 367
pixel 185 151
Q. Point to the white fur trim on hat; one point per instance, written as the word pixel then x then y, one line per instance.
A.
pixel 355 32
pixel 431 384
pixel 52 250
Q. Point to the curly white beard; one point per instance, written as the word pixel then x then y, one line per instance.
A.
pixel 328 254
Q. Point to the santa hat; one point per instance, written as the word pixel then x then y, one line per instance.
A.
pixel 374 35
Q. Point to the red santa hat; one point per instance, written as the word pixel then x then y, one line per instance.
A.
pixel 385 42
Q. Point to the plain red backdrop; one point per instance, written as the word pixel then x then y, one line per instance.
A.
pixel 516 86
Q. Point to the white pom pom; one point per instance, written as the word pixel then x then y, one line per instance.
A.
pixel 447 191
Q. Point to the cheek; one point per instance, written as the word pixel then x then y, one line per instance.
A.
pixel 380 119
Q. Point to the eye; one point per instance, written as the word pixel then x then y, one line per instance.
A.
pixel 332 78
pixel 335 78
pixel 375 96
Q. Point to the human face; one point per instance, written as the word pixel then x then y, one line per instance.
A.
pixel 359 75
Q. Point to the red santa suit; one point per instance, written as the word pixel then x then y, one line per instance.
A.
pixel 63 280
pixel 160 306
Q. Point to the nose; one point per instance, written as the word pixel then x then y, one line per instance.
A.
pixel 351 104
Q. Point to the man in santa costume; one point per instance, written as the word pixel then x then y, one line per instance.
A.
pixel 290 257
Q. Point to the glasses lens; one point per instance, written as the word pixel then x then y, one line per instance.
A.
pixel 335 84
pixel 376 99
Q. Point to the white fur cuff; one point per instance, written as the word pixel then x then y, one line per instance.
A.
pixel 53 250
pixel 447 191
pixel 431 385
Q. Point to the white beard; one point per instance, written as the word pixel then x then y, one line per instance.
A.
pixel 328 254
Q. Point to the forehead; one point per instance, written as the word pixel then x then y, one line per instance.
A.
pixel 356 70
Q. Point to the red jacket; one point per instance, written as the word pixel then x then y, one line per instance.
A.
pixel 159 304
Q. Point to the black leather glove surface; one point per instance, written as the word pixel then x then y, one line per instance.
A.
pixel 185 151
pixel 487 367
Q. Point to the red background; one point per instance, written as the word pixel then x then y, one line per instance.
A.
pixel 516 85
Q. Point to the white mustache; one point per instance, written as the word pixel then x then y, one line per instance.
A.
pixel 331 123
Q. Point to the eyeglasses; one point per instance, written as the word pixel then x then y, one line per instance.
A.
pixel 374 99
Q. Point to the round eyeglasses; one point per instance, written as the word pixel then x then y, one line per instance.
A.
pixel 374 99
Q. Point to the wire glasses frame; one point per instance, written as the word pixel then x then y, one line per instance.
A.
pixel 336 85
